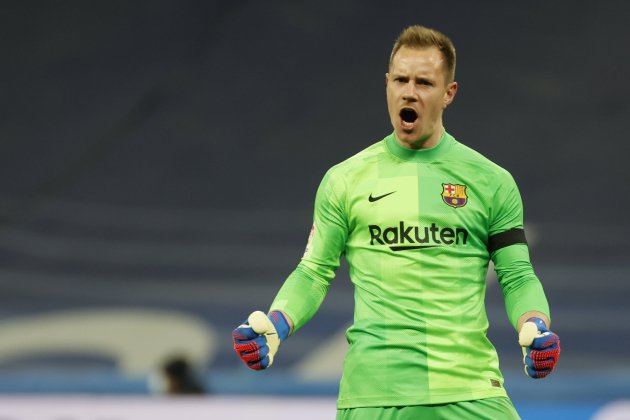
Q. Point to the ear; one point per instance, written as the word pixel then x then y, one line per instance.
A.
pixel 386 79
pixel 449 96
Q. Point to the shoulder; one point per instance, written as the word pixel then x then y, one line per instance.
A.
pixel 342 176
pixel 358 162
pixel 477 162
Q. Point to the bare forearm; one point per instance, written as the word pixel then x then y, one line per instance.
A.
pixel 289 321
pixel 523 318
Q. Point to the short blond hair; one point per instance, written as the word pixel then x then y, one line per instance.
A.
pixel 420 37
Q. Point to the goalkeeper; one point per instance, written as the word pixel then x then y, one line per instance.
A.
pixel 418 217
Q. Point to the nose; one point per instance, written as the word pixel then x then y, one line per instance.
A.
pixel 409 92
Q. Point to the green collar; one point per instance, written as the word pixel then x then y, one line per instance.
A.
pixel 419 155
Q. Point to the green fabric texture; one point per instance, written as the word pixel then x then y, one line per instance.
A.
pixel 520 286
pixel 414 227
pixel 485 409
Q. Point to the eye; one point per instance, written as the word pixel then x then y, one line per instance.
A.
pixel 424 82
pixel 400 79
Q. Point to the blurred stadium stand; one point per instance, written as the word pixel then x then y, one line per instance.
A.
pixel 158 165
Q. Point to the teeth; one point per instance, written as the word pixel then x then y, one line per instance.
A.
pixel 406 124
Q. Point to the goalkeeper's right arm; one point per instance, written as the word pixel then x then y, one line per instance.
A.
pixel 303 291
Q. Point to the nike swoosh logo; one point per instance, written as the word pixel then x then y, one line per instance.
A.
pixel 373 199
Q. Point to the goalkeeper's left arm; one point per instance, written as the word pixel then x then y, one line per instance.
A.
pixel 527 309
pixel 525 299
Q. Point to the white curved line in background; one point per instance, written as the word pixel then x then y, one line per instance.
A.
pixel 325 361
pixel 615 410
pixel 138 340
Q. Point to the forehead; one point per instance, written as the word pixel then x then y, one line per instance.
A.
pixel 426 60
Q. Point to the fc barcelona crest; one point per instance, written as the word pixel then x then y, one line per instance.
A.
pixel 454 195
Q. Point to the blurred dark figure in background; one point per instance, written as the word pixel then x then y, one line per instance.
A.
pixel 179 378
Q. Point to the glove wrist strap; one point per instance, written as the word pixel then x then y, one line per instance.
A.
pixel 542 326
pixel 281 324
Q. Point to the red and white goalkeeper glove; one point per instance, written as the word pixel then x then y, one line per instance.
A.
pixel 257 339
pixel 541 348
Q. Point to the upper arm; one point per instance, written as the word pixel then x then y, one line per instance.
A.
pixel 506 216
pixel 330 227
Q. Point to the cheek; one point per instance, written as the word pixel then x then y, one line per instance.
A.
pixel 390 101
pixel 438 103
pixel 389 94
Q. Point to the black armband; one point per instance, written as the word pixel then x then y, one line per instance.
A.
pixel 507 238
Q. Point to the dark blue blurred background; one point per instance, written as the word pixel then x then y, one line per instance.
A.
pixel 160 159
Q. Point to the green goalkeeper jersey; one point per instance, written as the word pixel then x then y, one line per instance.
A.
pixel 418 228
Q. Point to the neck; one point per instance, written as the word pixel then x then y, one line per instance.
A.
pixel 425 142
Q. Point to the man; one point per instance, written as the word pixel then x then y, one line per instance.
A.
pixel 418 216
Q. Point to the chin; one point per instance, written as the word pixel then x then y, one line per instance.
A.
pixel 407 137
pixel 412 140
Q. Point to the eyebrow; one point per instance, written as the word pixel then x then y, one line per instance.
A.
pixel 417 78
pixel 425 79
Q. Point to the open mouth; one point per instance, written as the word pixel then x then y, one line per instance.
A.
pixel 408 117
